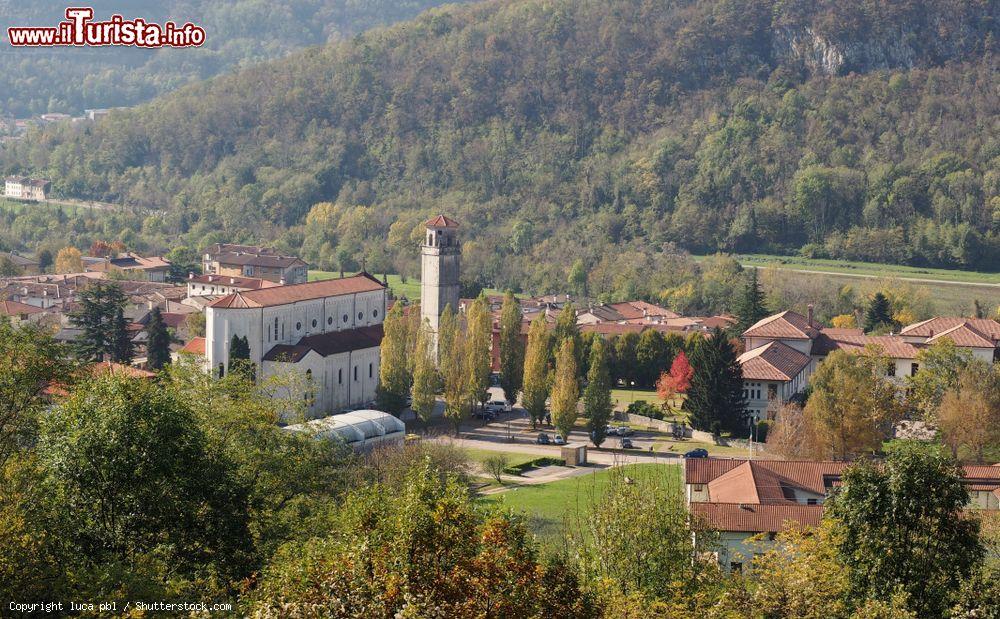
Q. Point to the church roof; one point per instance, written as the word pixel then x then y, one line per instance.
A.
pixel 441 221
pixel 773 361
pixel 282 295
pixel 326 344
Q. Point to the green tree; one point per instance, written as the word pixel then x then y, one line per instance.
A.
pixel 536 371
pixel 454 370
pixel 968 415
pixel 750 307
pixel 239 357
pixel 511 348
pixel 157 341
pixel 653 356
pixel 903 529
pixel 852 406
pixel 394 376
pixel 715 396
pixel 597 404
pixel 940 365
pixel 565 328
pixel 425 377
pixel 478 361
pixel 565 390
pixel 100 317
pixel 30 362
pixel 879 313
pixel 131 475
pixel 626 363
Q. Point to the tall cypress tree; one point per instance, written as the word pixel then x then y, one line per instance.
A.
pixel 122 349
pixel 157 341
pixel 597 404
pixel 511 348
pixel 425 377
pixel 715 397
pixel 565 390
pixel 536 371
pixel 750 306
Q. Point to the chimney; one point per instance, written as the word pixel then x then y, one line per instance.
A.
pixel 810 314
pixel 232 280
pixel 210 279
pixel 281 282
pixel 190 274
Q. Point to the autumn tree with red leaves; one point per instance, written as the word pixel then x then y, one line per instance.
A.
pixel 676 381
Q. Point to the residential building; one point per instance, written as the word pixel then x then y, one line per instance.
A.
pixel 254 261
pixel 25 266
pixel 736 499
pixel 24 188
pixel 18 313
pixel 210 285
pixel 153 269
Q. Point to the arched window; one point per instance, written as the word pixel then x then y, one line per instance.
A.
pixel 369 370
pixel 345 319
pixel 361 315
pixel 329 320
pixel 375 313
pixel 298 326
pixel 355 372
pixel 314 323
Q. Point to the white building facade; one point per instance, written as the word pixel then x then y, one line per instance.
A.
pixel 325 335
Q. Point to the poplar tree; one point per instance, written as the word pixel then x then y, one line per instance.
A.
pixel 597 404
pixel 536 366
pixel 479 364
pixel 157 341
pixel 565 391
pixel 511 348
pixel 425 378
pixel 393 374
pixel 451 360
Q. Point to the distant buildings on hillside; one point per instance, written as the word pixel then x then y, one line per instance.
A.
pixel 253 261
pixel 24 188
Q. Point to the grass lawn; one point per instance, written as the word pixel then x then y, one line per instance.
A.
pixel 514 458
pixel 564 503
pixel 623 397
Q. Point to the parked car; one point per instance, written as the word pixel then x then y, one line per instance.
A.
pixel 697 453
pixel 498 407
pixel 627 443
pixel 559 440
pixel 625 431
pixel 543 439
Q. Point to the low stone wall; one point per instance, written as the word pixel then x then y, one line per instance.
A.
pixel 706 437
pixel 653 424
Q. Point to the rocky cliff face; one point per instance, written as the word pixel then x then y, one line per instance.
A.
pixel 894 44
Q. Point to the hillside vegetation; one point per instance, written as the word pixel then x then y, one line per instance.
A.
pixel 581 139
pixel 239 33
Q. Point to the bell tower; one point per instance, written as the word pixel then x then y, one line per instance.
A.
pixel 439 268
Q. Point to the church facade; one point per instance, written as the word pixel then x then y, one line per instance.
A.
pixel 326 335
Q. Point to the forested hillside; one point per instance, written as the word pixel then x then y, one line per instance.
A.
pixel 581 138
pixel 239 33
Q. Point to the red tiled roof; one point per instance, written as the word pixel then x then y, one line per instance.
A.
pixel 755 518
pixel 891 345
pixel 15 308
pixel 933 326
pixel 812 476
pixel 786 325
pixel 638 309
pixel 280 295
pixel 108 367
pixel 441 221
pixel 194 347
pixel 964 335
pixel 838 331
pixel 773 361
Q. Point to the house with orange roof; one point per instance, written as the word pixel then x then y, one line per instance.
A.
pixel 733 500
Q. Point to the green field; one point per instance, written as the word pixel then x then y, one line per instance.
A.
pixel 514 458
pixel 950 291
pixel 564 503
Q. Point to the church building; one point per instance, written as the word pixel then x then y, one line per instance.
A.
pixel 327 332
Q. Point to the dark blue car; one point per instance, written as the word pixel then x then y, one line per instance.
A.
pixel 697 453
